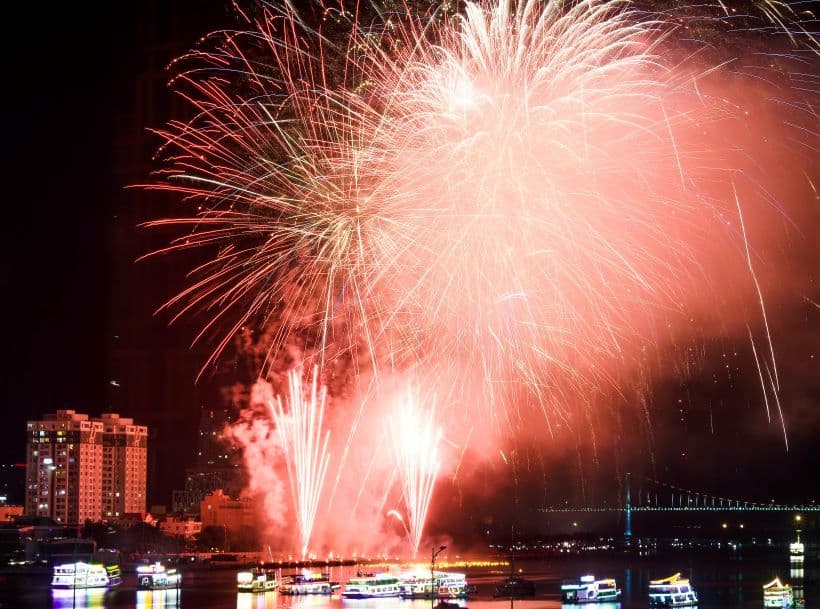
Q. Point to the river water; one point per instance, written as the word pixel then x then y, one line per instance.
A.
pixel 722 582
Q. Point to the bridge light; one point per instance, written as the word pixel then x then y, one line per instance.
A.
pixel 798 518
pixel 724 525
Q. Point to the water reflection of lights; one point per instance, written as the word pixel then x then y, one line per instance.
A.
pixel 170 597
pixel 398 603
pixel 444 564
pixel 271 600
pixel 63 598
pixel 309 601
pixel 251 600
pixel 586 606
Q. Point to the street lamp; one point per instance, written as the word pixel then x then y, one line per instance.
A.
pixel 433 587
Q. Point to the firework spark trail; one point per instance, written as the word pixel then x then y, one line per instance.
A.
pixel 397 515
pixel 356 231
pixel 484 132
pixel 758 290
pixel 774 379
pixel 416 437
pixel 498 184
pixel 304 447
pixel 520 195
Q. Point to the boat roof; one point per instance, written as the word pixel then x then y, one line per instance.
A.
pixel 372 578
pixel 672 579
pixel 255 571
pixel 79 564
pixel 310 576
pixel 425 574
pixel 582 582
pixel 775 583
pixel 153 568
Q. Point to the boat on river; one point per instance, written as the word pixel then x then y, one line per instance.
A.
pixel 85 575
pixel 778 595
pixel 797 550
pixel 673 591
pixel 256 580
pixel 381 585
pixel 587 589
pixel 307 583
pixel 157 577
pixel 443 585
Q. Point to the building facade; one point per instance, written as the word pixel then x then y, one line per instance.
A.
pixel 125 460
pixel 64 467
pixel 73 463
pixel 237 518
pixel 187 528
pixel 218 465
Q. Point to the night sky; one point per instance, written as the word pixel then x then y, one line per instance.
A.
pixel 82 87
pixel 88 82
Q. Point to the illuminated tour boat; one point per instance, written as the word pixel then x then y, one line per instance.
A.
pixel 307 583
pixel 382 585
pixel 674 591
pixel 777 594
pixel 157 576
pixel 256 580
pixel 447 585
pixel 587 589
pixel 85 575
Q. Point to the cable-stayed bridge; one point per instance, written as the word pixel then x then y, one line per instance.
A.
pixel 657 496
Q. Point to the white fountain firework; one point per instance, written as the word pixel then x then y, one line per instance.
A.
pixel 415 440
pixel 305 448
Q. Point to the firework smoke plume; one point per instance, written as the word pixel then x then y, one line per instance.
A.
pixel 520 207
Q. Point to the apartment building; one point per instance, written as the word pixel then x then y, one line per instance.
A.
pixel 79 468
